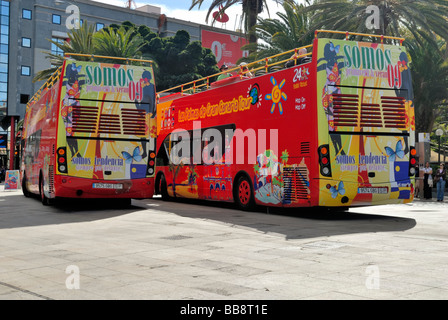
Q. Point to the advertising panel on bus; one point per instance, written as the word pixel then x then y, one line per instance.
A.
pixel 108 116
pixel 366 114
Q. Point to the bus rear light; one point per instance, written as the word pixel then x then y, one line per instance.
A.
pixel 151 163
pixel 62 160
pixel 412 161
pixel 324 160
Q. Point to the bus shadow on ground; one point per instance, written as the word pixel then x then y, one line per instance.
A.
pixel 293 223
pixel 18 211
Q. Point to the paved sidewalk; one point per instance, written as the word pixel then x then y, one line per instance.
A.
pixel 193 251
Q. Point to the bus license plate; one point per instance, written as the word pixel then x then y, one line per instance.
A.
pixel 377 190
pixel 107 186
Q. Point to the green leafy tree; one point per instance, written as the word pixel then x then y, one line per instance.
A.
pixel 394 15
pixel 80 41
pixel 288 31
pixel 180 60
pixel 177 60
pixel 121 42
pixel 429 70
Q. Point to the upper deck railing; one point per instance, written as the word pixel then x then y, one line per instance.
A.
pixel 47 85
pixel 262 66
pixel 347 34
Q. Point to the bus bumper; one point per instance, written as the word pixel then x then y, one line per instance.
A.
pixel 72 187
pixel 349 194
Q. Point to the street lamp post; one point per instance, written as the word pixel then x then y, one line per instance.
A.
pixel 439 133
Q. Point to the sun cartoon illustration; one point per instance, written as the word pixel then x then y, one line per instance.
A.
pixel 277 95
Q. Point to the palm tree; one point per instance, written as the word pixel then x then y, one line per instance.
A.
pixel 251 9
pixel 80 41
pixel 288 31
pixel 350 15
pixel 118 43
pixel 429 70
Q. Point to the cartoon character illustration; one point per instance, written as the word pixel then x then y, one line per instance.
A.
pixel 406 91
pixel 73 91
pixel 148 101
pixel 332 66
pixel 330 58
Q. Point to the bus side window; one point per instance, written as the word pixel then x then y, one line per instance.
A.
pixel 163 155
pixel 196 149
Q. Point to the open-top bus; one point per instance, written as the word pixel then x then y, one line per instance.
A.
pixel 89 132
pixel 336 131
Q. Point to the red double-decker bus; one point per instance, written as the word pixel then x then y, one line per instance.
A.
pixel 333 130
pixel 89 132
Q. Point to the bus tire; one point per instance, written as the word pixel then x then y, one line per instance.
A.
pixel 25 191
pixel 243 194
pixel 163 188
pixel 43 197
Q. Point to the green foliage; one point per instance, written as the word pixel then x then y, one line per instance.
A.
pixel 180 60
pixel 395 15
pixel 177 60
pixel 286 32
pixel 119 42
pixel 81 41
pixel 429 69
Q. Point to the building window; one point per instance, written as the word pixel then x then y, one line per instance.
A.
pixel 99 26
pixel 54 48
pixel 26 42
pixel 26 14
pixel 24 98
pixel 56 19
pixel 25 71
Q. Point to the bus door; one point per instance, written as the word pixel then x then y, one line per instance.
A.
pixel 181 171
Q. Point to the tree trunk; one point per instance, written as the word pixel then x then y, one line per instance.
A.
pixel 251 8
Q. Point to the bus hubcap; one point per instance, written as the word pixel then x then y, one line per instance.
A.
pixel 244 192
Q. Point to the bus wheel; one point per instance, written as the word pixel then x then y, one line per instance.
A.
pixel 243 194
pixel 43 197
pixel 163 188
pixel 25 191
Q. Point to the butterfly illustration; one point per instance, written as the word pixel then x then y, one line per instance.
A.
pixel 340 190
pixel 333 48
pixel 397 153
pixel 135 156
pixel 76 68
